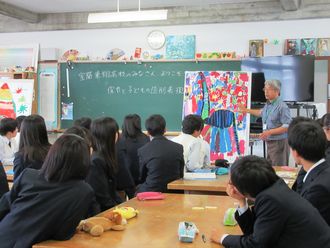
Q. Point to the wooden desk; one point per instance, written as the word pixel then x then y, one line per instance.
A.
pixel 205 186
pixel 10 177
pixel 214 186
pixel 157 224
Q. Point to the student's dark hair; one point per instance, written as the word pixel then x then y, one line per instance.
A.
pixel 131 127
pixel 155 125
pixel 7 125
pixel 326 120
pixel 299 119
pixel 308 140
pixel 67 159
pixel 192 123
pixel 104 131
pixel 19 120
pixel 252 174
pixel 33 143
pixel 83 122
pixel 82 132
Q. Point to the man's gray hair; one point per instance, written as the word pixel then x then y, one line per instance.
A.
pixel 274 83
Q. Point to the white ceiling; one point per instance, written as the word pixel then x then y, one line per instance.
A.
pixel 61 6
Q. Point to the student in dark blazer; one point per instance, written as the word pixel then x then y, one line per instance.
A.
pixel 130 141
pixel 308 144
pixel 49 204
pixel 280 217
pixel 33 145
pixel 161 160
pixel 3 181
pixel 102 175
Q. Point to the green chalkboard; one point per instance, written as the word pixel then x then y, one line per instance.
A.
pixel 116 89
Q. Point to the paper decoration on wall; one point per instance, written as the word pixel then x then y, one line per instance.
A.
pixel 180 47
pixel 216 55
pixel 214 95
pixel 256 48
pixel 323 47
pixel 292 47
pixel 67 111
pixel 273 48
pixel 137 53
pixel 115 54
pixel 71 54
pixel 308 46
pixel 16 97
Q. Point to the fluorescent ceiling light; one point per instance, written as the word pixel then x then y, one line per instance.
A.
pixel 128 16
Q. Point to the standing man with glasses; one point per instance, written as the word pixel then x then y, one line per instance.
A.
pixel 276 118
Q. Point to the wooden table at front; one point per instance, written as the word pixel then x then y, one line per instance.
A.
pixel 204 186
pixel 157 224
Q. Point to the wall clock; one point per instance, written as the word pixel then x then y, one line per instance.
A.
pixel 156 39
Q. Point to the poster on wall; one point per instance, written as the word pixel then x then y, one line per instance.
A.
pixel 292 47
pixel 256 48
pixel 215 95
pixel 180 47
pixel 323 47
pixel 308 46
pixel 16 97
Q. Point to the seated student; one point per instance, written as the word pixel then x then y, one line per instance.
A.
pixel 308 143
pixel 326 129
pixel 33 145
pixel 19 120
pixel 280 218
pixel 48 204
pixel 196 151
pixel 161 160
pixel 130 141
pixel 8 146
pixel 83 122
pixel 102 175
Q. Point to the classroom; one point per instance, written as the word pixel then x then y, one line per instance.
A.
pixel 164 123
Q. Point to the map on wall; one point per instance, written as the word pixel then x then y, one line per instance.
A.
pixel 215 95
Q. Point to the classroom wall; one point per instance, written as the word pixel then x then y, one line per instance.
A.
pixel 209 37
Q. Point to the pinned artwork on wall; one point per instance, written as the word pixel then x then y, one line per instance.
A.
pixel 215 95
pixel 292 47
pixel 256 48
pixel 273 47
pixel 308 46
pixel 16 97
pixel 323 47
pixel 180 47
pixel 67 111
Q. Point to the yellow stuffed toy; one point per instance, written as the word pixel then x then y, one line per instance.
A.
pixel 97 225
pixel 126 212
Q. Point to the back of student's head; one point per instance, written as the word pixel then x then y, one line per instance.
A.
pixel 105 133
pixel 131 126
pixel 156 125
pixel 326 120
pixel 82 132
pixel 83 122
pixel 67 159
pixel 192 123
pixel 308 140
pixel 251 175
pixel 7 125
pixel 299 119
pixel 19 120
pixel 33 142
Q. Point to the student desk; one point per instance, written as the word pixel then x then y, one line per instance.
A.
pixel 157 224
pixel 218 186
pixel 10 177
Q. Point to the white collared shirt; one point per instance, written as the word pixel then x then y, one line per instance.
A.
pixel 314 166
pixel 7 152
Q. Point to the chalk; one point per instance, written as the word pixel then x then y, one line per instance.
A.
pixel 67 82
pixel 197 208
pixel 211 207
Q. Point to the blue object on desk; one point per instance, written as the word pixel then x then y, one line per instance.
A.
pixel 221 171
pixel 187 231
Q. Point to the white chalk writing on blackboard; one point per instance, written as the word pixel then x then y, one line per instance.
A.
pixel 152 90
pixel 90 75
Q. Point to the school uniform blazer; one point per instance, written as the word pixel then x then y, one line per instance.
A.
pixel 161 161
pixel 103 182
pixel 3 181
pixel 298 183
pixel 280 219
pixel 316 189
pixel 36 210
pixel 130 147
pixel 20 164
